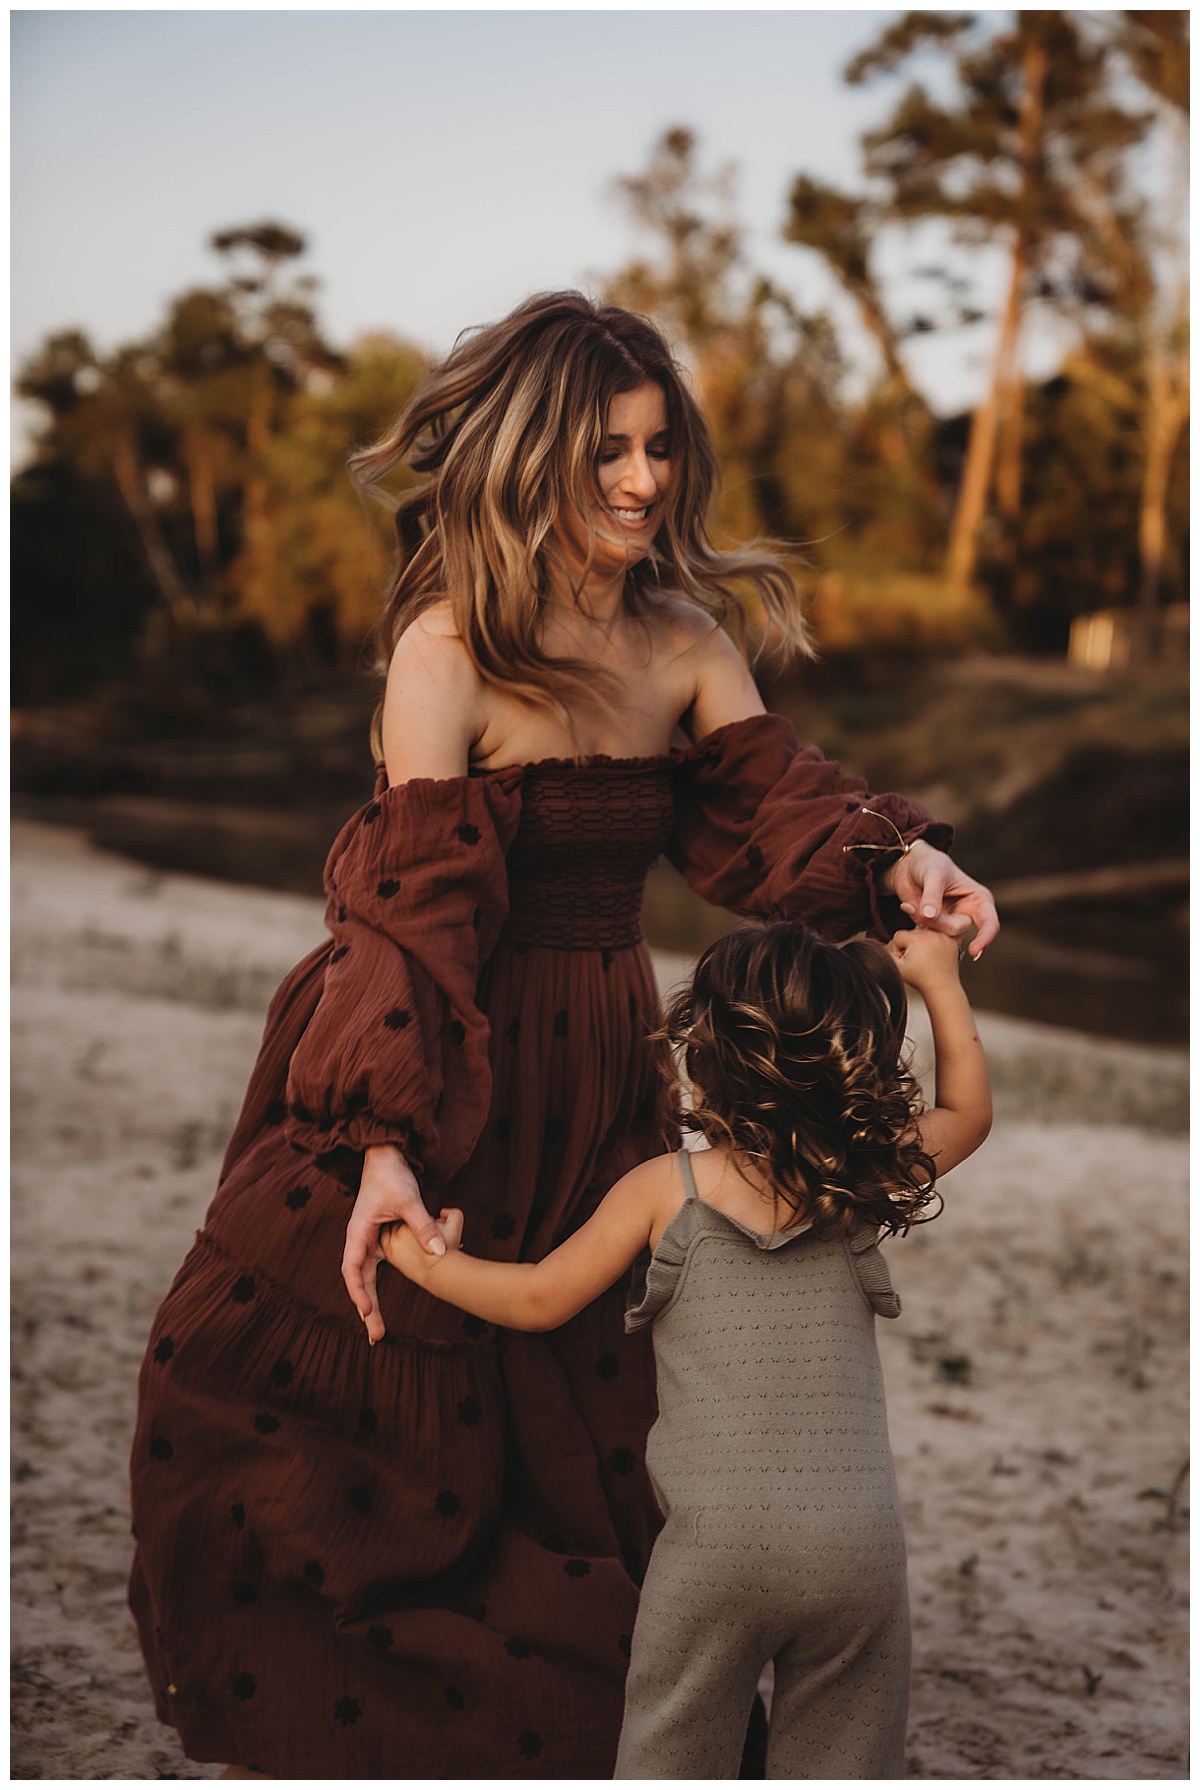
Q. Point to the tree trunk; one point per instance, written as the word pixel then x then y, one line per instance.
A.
pixel 203 496
pixel 1167 409
pixel 963 551
pixel 1009 456
pixel 260 592
pixel 1004 405
pixel 131 482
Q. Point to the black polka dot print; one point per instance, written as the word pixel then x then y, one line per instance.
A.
pixel 387 888
pixel 244 1686
pixel 503 1226
pixel 470 1412
pixel 347 1710
pixel 473 1326
pixel 530 1744
pixel 447 1504
pixel 275 1112
pixel 360 1499
pixel 621 1460
pixel 160 1448
pixel 457 1032
pixel 164 1349
pixel 243 1290
pixel 560 1023
pixel 468 834
pixel 266 1423
pixel 454 1697
pixel 517 1649
pixel 237 1514
pixel 297 1198
pixel 368 1420
pixel 243 1591
pixel 608 1367
pixel 314 1572
pixel 283 1373
pixel 577 1569
pixel 380 1636
pixel 337 955
pixel 397 1019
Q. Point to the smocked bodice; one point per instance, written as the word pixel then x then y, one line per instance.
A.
pixel 588 834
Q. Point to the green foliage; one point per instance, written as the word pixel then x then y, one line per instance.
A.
pixel 188 498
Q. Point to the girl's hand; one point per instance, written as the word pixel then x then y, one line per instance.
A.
pixel 388 1195
pixel 926 960
pixel 940 897
pixel 402 1250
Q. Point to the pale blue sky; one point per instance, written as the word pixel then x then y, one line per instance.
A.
pixel 443 164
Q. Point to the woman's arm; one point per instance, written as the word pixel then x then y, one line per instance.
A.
pixel 961 1118
pixel 430 719
pixel 928 884
pixel 541 1295
pixel 432 709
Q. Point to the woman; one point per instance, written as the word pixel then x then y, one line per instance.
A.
pixel 401 1542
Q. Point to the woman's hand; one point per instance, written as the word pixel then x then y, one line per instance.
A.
pixel 937 894
pixel 388 1195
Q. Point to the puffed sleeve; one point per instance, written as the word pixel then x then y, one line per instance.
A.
pixel 397 1049
pixel 761 824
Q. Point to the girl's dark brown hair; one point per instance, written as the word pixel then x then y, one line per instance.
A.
pixel 506 434
pixel 794 1050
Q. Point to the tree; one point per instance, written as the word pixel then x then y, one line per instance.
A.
pixel 209 459
pixel 760 363
pixel 1034 109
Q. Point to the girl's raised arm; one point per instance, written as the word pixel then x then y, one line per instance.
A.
pixel 955 1126
pixel 542 1295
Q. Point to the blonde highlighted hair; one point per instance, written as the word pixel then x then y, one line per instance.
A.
pixel 507 432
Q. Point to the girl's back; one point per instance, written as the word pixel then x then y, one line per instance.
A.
pixel 771 1399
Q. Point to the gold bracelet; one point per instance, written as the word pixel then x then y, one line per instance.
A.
pixel 905 846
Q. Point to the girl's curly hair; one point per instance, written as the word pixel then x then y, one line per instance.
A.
pixel 794 1050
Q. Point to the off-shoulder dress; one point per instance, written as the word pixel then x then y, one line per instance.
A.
pixel 422 1559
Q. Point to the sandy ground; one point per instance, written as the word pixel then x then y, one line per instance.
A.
pixel 1037 1376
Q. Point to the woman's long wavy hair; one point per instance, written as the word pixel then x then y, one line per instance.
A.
pixel 507 434
pixel 794 1048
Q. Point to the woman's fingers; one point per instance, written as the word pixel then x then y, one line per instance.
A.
pixel 360 1236
pixel 983 911
pixel 372 1317
pixel 933 886
pixel 938 895
pixel 414 1213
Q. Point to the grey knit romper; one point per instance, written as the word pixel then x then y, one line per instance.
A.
pixel 783 1538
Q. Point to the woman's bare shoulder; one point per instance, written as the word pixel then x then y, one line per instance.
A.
pixel 719 687
pixel 432 709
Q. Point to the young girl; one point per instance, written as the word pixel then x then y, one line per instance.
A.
pixel 770 1458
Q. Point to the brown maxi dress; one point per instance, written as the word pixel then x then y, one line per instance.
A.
pixel 422 1559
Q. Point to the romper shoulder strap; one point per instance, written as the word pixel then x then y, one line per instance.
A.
pixel 689 1178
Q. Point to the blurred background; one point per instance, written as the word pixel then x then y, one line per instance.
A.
pixel 928 272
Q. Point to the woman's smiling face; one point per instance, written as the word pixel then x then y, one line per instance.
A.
pixel 633 476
